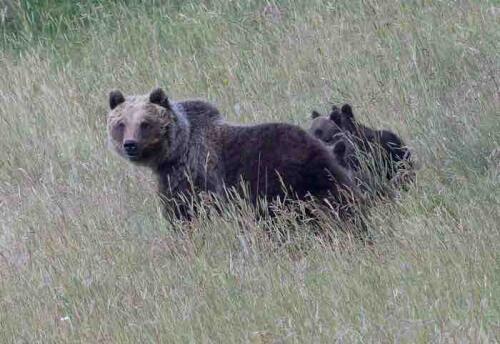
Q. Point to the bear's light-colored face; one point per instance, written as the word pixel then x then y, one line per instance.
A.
pixel 136 127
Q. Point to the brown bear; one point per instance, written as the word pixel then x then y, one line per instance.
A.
pixel 376 153
pixel 192 150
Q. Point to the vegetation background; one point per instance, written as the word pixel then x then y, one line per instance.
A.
pixel 85 255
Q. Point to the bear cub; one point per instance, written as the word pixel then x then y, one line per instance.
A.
pixel 369 152
pixel 192 150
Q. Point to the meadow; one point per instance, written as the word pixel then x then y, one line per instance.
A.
pixel 85 255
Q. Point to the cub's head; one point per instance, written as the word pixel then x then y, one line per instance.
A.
pixel 334 131
pixel 323 128
pixel 344 117
pixel 137 125
pixel 330 128
pixel 344 152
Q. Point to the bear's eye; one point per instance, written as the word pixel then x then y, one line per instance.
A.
pixel 145 125
pixel 118 130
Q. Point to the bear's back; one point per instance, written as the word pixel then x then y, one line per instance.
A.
pixel 199 113
pixel 272 155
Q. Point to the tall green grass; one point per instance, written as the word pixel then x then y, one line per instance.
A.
pixel 85 255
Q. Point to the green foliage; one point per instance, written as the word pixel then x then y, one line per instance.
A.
pixel 85 254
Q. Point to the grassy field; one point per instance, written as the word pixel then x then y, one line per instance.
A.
pixel 85 255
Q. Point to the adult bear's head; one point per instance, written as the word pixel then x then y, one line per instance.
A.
pixel 142 129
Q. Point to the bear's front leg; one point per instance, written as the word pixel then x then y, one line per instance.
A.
pixel 178 198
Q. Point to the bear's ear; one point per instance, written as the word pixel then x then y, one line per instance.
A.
pixel 115 99
pixel 339 148
pixel 336 116
pixel 347 111
pixel 315 114
pixel 158 97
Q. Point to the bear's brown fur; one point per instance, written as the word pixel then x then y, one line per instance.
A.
pixel 192 149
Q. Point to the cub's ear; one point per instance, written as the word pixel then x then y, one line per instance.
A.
pixel 315 114
pixel 347 111
pixel 336 116
pixel 158 97
pixel 115 99
pixel 339 149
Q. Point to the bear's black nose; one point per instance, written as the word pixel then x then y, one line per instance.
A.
pixel 130 147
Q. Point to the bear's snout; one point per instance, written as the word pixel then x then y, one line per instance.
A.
pixel 131 147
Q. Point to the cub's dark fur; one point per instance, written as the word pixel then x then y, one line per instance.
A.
pixel 388 154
